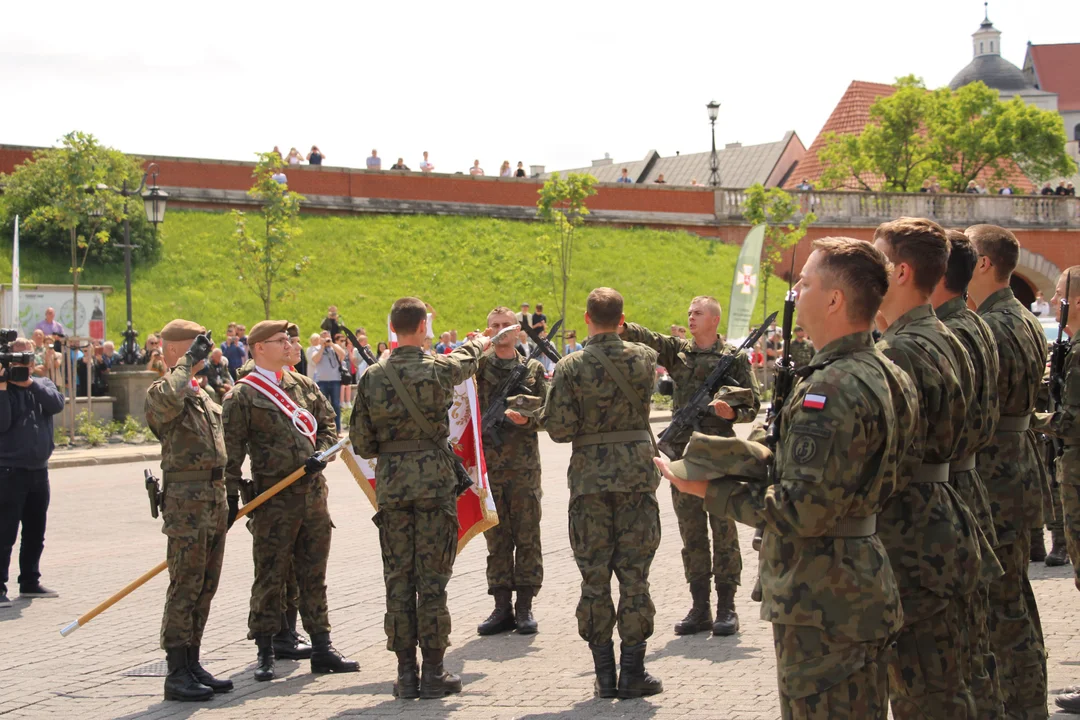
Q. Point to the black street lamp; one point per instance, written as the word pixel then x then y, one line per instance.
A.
pixel 154 200
pixel 714 176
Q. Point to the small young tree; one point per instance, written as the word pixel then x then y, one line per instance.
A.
pixel 562 203
pixel 777 210
pixel 265 257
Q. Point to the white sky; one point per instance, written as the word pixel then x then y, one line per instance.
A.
pixel 555 83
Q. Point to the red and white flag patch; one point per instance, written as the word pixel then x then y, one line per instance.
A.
pixel 813 401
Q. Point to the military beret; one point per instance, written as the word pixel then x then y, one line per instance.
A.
pixel 179 330
pixel 708 457
pixel 267 329
pixel 293 330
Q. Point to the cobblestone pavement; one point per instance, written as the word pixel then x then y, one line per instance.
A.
pixel 101 537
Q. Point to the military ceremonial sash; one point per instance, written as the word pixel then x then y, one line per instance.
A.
pixel 302 420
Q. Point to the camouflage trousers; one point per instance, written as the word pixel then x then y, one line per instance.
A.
pixel 291 531
pixel 290 593
pixel 823 679
pixel 926 671
pixel 615 532
pixel 419 545
pixel 1070 501
pixel 515 559
pixel 196 517
pixel 725 563
pixel 1052 510
pixel 979 663
pixel 1016 633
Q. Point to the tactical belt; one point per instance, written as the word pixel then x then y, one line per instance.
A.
pixel 854 527
pixel 964 465
pixel 932 473
pixel 408 446
pixel 1014 423
pixel 609 438
pixel 193 475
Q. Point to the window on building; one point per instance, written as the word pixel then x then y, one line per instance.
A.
pixel 1076 133
pixel 980 47
pixel 991 46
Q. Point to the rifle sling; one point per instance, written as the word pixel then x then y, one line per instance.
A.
pixel 627 389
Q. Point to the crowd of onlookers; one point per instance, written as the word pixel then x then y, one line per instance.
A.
pixel 316 157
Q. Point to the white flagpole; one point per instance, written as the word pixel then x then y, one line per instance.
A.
pixel 15 281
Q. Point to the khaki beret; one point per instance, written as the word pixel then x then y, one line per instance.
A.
pixel 708 457
pixel 179 330
pixel 293 330
pixel 267 329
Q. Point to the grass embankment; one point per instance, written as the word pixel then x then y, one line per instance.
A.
pixel 462 266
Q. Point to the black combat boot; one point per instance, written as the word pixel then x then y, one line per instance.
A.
pixel 1038 545
pixel 523 614
pixel 179 683
pixel 435 681
pixel 501 618
pixel 325 659
pixel 407 685
pixel 634 680
pixel 727 620
pixel 1058 554
pixel 289 644
pixel 200 674
pixel 1069 701
pixel 603 657
pixel 700 618
pixel 265 662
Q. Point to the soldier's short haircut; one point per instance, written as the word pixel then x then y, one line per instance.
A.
pixel 710 303
pixel 920 243
pixel 407 314
pixel 857 268
pixel 501 310
pixel 605 307
pixel 998 244
pixel 1073 281
pixel 962 262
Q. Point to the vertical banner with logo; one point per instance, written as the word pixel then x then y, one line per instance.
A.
pixel 744 286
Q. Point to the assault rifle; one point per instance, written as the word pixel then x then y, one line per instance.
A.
pixel 542 342
pixel 495 413
pixel 689 416
pixel 1057 373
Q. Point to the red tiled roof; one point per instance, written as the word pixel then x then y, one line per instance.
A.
pixel 850 116
pixel 1057 68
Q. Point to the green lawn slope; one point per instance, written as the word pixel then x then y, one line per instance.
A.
pixel 462 266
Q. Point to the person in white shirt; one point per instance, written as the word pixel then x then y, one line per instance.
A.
pixel 314 347
pixel 1040 308
pixel 476 169
pixel 294 158
pixel 426 165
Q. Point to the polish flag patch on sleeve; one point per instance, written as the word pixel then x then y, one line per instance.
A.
pixel 814 401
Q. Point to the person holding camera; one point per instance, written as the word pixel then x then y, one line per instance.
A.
pixel 193 504
pixel 27 407
pixel 328 361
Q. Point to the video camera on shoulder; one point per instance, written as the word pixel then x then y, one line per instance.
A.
pixel 16 364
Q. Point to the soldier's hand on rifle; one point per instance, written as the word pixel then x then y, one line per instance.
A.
pixel 515 417
pixel 722 409
pixel 314 464
pixel 234 507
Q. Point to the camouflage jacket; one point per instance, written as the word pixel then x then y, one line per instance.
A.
pixel 380 416
pixel 929 531
pixel 1010 466
pixel 845 429
pixel 1065 422
pixel 802 352
pixel 979 347
pixel 583 400
pixel 186 421
pixel 520 447
pixel 255 425
pixel 689 365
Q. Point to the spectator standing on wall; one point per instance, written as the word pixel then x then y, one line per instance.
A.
pixel 476 170
pixel 426 165
pixel 660 180
pixel 804 186
pixel 400 165
pixel 625 177
pixel 520 172
pixel 294 158
pixel 277 151
pixel 504 169
pixel 375 162
pixel 315 157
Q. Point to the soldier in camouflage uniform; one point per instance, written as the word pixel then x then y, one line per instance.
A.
pixel 802 350
pixel 1053 513
pixel 973 333
pixel 827 584
pixel 599 401
pixel 932 537
pixel 512 455
pixel 194 507
pixel 415 490
pixel 1011 471
pixel 1065 425
pixel 291 529
pixel 289 643
pixel 689 363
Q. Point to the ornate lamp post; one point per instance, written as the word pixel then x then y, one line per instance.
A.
pixel 714 176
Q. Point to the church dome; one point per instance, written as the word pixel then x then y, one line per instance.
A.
pixel 994 70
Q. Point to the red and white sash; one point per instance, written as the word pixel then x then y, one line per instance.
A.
pixel 302 420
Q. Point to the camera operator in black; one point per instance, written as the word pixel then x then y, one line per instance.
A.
pixel 27 406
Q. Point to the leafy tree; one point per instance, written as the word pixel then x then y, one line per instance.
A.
pixel 265 257
pixel 893 145
pixel 48 194
pixel 562 203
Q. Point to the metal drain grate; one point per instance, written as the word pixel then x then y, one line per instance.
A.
pixel 158 668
